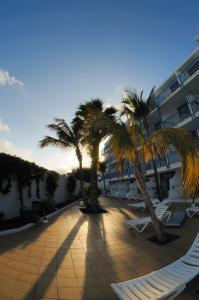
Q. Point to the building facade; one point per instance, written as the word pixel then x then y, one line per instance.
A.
pixel 176 104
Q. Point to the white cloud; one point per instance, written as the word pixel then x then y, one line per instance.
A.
pixel 6 146
pixel 7 79
pixel 4 127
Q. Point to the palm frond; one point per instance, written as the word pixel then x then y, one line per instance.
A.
pixel 50 141
pixel 165 140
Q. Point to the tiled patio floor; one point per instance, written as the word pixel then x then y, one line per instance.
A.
pixel 77 256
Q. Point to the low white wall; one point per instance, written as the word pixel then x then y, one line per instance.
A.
pixel 10 204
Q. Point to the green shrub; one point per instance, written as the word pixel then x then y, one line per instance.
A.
pixel 71 183
pixel 51 183
pixel 31 216
pixel 46 207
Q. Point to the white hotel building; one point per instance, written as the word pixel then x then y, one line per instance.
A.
pixel 176 105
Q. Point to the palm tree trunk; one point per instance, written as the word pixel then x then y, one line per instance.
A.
pixel 159 193
pixel 104 184
pixel 79 156
pixel 141 181
pixel 94 179
pixel 146 126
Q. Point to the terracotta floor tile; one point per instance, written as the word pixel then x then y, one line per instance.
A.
pixel 69 294
pixel 78 256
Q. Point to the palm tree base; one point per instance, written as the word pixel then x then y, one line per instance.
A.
pixel 168 238
pixel 97 209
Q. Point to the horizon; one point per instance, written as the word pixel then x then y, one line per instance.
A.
pixel 55 56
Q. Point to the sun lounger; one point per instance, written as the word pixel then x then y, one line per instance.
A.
pixel 142 205
pixel 161 212
pixel 166 283
pixel 191 211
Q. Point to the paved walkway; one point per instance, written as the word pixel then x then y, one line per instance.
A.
pixel 77 256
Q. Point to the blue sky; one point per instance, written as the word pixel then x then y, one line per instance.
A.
pixel 61 53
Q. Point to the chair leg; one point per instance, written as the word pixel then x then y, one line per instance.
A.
pixel 142 227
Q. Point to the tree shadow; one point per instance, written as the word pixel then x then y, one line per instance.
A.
pixel 57 259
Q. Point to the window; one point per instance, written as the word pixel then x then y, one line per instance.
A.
pixel 193 68
pixel 174 86
pixel 183 112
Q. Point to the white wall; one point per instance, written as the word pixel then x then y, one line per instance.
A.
pixel 10 205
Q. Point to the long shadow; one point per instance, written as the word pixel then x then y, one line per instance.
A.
pixel 96 230
pixel 47 274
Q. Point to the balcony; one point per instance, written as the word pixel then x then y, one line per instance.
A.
pixel 176 118
pixel 183 113
pixel 159 163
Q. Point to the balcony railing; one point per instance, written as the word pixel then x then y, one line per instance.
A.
pixel 177 117
pixel 159 163
pixel 195 105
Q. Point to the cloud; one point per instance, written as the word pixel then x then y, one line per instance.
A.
pixel 6 146
pixel 7 79
pixel 4 127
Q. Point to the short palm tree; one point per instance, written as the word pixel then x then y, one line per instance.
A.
pixel 87 114
pixel 102 170
pixel 135 106
pixel 128 144
pixel 66 137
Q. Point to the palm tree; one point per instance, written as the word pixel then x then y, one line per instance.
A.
pixel 102 169
pixel 66 137
pixel 134 106
pixel 128 144
pixel 86 115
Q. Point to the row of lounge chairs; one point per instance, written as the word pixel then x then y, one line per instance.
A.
pixel 170 281
pixel 123 194
pixel 166 283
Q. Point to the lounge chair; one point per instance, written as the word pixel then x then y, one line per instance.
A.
pixel 166 283
pixel 191 211
pixel 142 205
pixel 161 212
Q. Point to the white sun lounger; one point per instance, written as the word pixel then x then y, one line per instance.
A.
pixel 140 224
pixel 142 205
pixel 191 211
pixel 165 283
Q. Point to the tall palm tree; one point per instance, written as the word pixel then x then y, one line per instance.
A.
pixel 135 106
pixel 128 144
pixel 102 169
pixel 86 115
pixel 66 137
